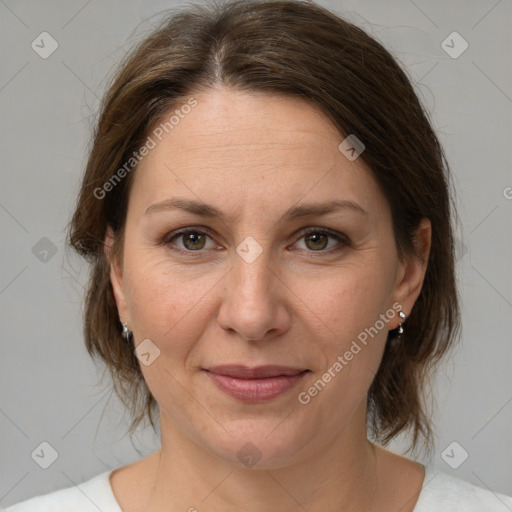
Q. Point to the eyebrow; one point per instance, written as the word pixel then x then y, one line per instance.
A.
pixel 295 212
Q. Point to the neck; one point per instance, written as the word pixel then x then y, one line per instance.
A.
pixel 340 475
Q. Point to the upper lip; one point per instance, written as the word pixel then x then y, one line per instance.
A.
pixel 258 372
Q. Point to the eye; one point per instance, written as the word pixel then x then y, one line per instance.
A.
pixel 317 239
pixel 193 240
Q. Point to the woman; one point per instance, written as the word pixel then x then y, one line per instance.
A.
pixel 267 213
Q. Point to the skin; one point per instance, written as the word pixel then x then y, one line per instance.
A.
pixel 300 303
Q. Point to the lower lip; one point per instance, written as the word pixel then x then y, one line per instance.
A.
pixel 255 390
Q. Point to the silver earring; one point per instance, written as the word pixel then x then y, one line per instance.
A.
pixel 401 314
pixel 127 333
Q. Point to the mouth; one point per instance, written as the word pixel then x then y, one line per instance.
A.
pixel 257 384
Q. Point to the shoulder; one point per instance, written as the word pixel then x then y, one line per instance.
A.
pixel 444 493
pixel 90 496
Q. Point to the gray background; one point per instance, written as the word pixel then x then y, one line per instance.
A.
pixel 51 391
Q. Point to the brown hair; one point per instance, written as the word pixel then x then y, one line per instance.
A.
pixel 300 49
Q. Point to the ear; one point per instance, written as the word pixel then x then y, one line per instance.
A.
pixel 411 272
pixel 116 275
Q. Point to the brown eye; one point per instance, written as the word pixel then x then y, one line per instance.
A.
pixel 317 241
pixel 193 240
pixel 188 240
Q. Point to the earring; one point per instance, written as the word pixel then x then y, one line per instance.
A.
pixel 401 314
pixel 127 333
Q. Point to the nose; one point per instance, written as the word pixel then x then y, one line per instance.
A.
pixel 255 299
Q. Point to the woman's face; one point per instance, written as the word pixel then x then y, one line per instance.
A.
pixel 264 278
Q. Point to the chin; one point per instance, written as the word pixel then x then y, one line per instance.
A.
pixel 259 444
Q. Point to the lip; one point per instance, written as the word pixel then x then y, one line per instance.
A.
pixel 257 384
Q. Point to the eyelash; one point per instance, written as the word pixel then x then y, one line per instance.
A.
pixel 344 241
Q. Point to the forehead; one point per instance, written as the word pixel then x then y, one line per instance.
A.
pixel 236 148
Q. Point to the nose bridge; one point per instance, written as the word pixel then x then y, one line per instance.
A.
pixel 251 305
pixel 251 266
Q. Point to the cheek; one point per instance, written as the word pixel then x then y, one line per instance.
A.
pixel 351 338
pixel 170 308
pixel 351 335
pixel 346 301
pixel 167 304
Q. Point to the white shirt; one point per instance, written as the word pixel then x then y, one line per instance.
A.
pixel 440 493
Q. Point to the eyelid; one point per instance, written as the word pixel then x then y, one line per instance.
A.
pixel 326 231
